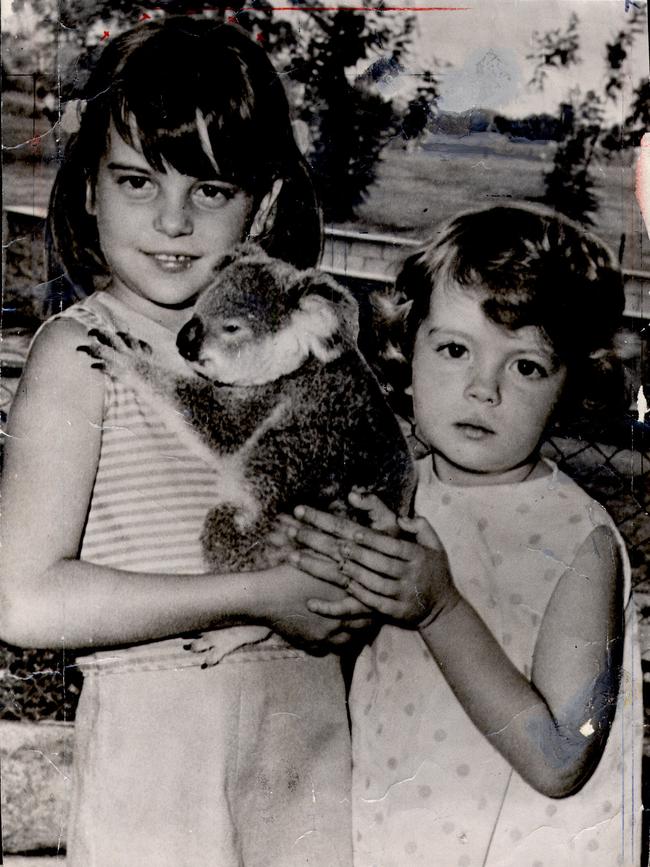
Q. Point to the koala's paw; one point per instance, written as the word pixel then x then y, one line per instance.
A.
pixel 206 643
pixel 115 353
pixel 216 645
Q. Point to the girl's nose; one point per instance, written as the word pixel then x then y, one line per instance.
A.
pixel 484 387
pixel 172 218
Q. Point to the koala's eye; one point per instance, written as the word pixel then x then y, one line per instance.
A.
pixel 231 327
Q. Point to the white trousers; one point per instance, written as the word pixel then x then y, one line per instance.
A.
pixel 244 764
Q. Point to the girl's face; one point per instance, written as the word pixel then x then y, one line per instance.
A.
pixel 162 233
pixel 482 395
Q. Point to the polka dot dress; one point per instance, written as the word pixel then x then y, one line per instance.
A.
pixel 429 789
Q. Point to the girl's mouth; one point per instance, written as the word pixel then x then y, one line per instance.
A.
pixel 173 263
pixel 474 431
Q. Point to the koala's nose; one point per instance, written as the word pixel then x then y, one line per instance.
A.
pixel 190 338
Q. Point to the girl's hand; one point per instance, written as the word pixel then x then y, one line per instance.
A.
pixel 285 610
pixel 406 581
pixel 380 517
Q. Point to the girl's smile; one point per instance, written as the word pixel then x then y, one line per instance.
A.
pixel 162 233
pixel 482 394
pixel 173 263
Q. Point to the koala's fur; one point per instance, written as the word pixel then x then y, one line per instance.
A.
pixel 280 395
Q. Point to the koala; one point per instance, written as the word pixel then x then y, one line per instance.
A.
pixel 277 395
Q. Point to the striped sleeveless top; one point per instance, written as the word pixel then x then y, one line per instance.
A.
pixel 150 496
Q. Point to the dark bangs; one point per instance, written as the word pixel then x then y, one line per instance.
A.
pixel 534 269
pixel 208 68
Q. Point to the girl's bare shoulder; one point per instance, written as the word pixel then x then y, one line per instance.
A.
pixel 57 373
pixel 61 335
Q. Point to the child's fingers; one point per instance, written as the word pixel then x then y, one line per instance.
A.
pixel 319 542
pixel 339 639
pixel 375 601
pixel 399 549
pixel 340 610
pixel 343 551
pixel 387 587
pixel 334 528
pixel 279 538
pixel 385 567
pixel 322 568
pixel 348 631
pixel 287 521
pixel 422 530
pixel 381 517
pixel 358 623
pixel 335 525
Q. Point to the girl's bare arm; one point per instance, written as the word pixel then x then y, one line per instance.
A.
pixel 48 597
pixel 551 728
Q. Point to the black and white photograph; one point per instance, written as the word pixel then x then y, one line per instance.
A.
pixel 325 434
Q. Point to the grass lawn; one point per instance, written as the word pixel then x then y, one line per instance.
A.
pixel 415 190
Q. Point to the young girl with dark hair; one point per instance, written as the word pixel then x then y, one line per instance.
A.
pixel 199 96
pixel 496 718
pixel 185 148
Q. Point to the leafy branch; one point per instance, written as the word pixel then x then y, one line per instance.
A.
pixel 569 185
pixel 555 49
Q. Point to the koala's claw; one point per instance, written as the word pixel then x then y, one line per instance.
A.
pixel 117 353
pixel 88 350
pixel 129 342
pixel 101 337
pixel 98 361
pixel 126 339
pixel 134 343
pixel 204 643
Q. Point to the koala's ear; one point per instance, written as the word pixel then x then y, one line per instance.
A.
pixel 328 314
pixel 317 285
pixel 247 249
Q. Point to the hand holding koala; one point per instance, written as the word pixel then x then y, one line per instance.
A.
pixel 277 396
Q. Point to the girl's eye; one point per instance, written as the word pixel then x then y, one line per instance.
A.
pixel 530 369
pixel 212 196
pixel 136 186
pixel 453 350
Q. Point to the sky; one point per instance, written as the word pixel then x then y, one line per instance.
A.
pixel 486 42
pixel 479 49
pixel 487 46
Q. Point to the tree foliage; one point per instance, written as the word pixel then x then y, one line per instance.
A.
pixel 569 185
pixel 420 109
pixel 533 127
pixel 348 118
pixel 554 49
